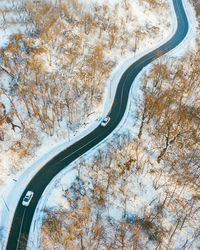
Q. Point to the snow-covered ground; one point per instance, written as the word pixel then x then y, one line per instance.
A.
pixel 66 177
pixel 48 149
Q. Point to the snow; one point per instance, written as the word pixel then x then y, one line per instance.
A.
pixel 123 126
pixel 5 33
pixel 51 148
pixel 52 196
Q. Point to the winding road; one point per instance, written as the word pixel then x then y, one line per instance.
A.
pixel 23 215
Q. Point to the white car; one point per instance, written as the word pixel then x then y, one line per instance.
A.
pixel 105 121
pixel 27 199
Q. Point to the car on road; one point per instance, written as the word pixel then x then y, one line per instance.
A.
pixel 105 121
pixel 27 199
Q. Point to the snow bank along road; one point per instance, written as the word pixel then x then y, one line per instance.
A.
pixel 23 215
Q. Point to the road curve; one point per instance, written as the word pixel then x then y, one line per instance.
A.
pixel 23 215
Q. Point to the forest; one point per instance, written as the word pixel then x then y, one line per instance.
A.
pixel 136 191
pixel 54 70
pixel 140 192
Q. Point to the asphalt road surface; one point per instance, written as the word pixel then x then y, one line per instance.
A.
pixel 23 215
